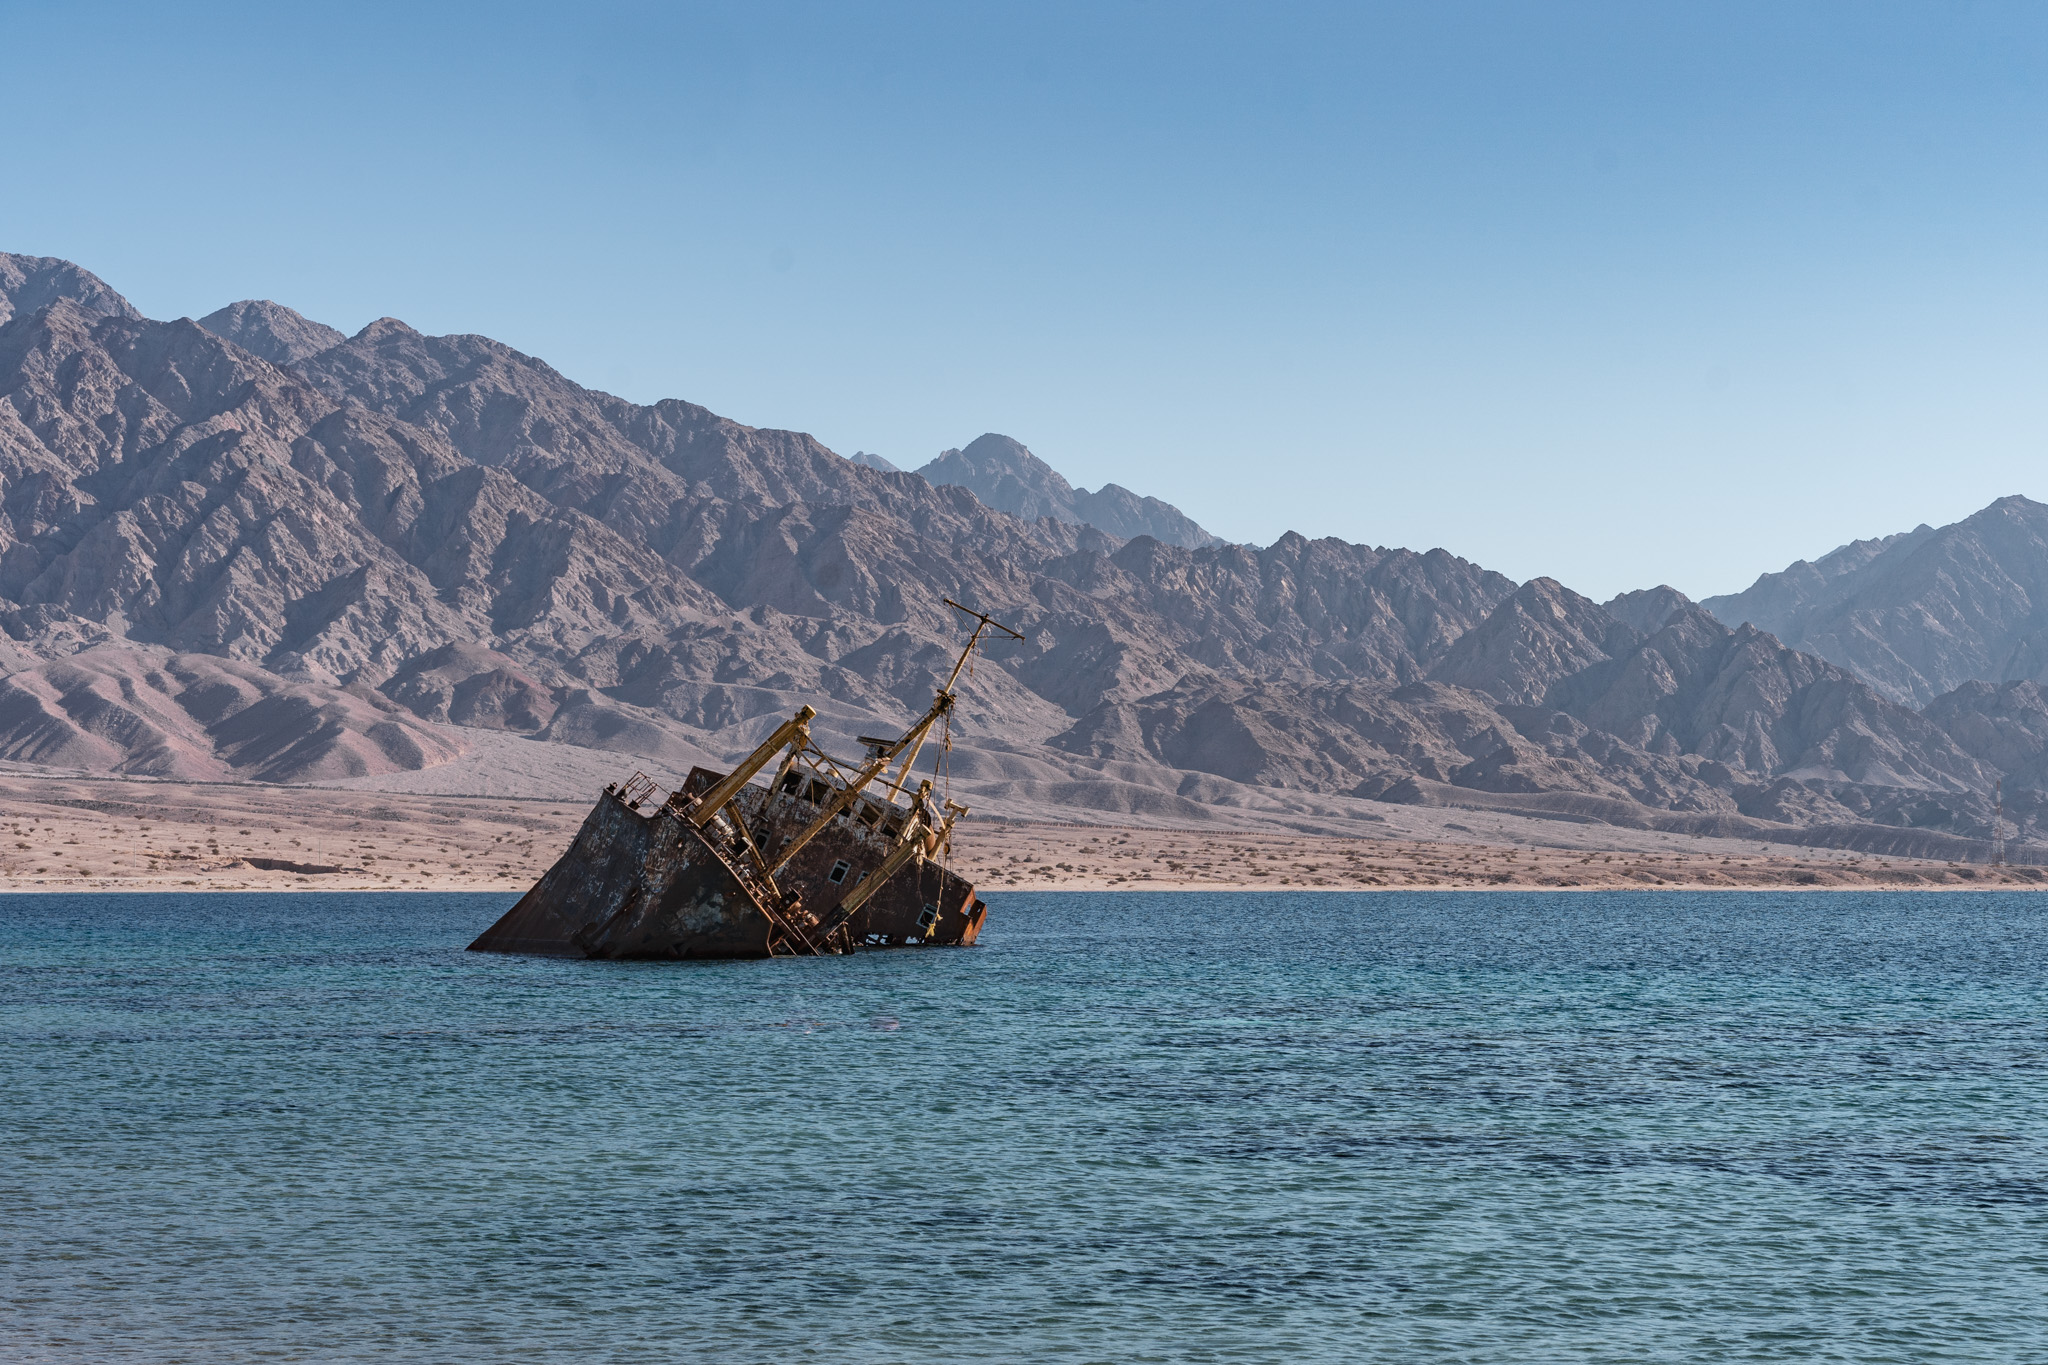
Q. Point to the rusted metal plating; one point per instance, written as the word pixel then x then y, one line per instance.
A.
pixel 811 863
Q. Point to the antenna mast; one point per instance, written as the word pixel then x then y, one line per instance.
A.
pixel 913 738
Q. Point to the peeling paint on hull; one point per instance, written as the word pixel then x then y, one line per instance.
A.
pixel 809 863
pixel 655 886
pixel 895 917
pixel 634 886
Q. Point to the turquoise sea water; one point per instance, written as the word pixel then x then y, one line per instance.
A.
pixel 1513 1128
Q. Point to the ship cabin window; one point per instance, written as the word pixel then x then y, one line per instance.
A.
pixel 818 794
pixel 893 828
pixel 838 872
pixel 870 815
pixel 791 783
pixel 929 917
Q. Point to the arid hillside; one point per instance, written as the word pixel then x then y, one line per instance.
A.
pixel 249 548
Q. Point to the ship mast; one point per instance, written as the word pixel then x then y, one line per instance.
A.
pixel 881 753
pixel 913 738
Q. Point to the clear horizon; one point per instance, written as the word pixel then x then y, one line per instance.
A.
pixel 1613 296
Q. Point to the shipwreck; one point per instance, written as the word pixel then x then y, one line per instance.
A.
pixel 829 856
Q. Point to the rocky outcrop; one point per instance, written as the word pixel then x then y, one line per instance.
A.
pixel 2004 726
pixel 1558 697
pixel 1374 740
pixel 1542 635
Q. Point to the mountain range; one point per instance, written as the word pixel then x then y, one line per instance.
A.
pixel 1919 614
pixel 250 547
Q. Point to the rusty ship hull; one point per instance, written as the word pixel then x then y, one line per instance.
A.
pixel 827 856
pixel 652 886
pixel 635 886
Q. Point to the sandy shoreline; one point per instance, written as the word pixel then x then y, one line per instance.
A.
pixel 91 834
pixel 100 834
pixel 1027 857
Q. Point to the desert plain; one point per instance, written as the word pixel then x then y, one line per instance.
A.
pixel 108 834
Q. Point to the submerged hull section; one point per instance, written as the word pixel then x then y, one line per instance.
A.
pixel 829 856
pixel 635 886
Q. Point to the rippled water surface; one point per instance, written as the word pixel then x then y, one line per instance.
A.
pixel 1497 1127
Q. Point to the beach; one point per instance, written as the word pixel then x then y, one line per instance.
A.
pixel 101 834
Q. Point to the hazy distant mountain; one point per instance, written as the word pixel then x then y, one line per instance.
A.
pixel 1647 609
pixel 1561 701
pixel 1009 478
pixel 1918 614
pixel 255 548
pixel 868 461
pixel 271 330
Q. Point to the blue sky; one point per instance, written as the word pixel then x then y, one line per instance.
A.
pixel 1619 293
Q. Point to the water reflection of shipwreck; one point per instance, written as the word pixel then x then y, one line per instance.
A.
pixel 811 863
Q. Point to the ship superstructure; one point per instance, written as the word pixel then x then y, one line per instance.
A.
pixel 829 856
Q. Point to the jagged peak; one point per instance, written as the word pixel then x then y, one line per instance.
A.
pixel 29 284
pixel 1003 473
pixel 1546 589
pixel 1541 634
pixel 1648 609
pixel 2009 506
pixel 1548 600
pixel 272 331
pixel 387 327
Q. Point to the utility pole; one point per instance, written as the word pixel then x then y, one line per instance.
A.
pixel 1998 826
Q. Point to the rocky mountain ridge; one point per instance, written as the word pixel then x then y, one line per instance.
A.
pixel 1921 613
pixel 252 547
